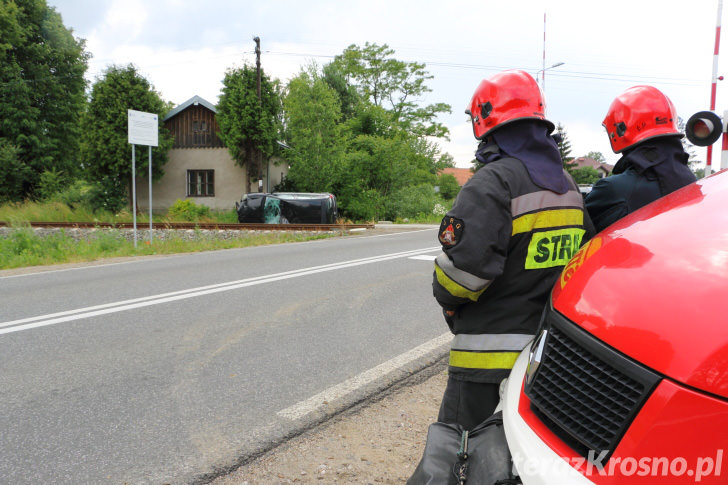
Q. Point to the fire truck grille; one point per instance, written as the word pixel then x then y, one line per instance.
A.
pixel 584 391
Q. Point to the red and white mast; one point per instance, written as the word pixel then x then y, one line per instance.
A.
pixel 713 87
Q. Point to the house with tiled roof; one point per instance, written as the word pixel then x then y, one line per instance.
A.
pixel 462 175
pixel 604 169
pixel 200 167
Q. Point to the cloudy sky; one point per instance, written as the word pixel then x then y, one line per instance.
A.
pixel 184 47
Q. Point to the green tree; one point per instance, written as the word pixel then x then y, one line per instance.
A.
pixel 565 148
pixel 598 156
pixel 379 168
pixel 449 186
pixel 312 114
pixel 13 173
pixel 355 128
pixel 411 201
pixel 585 175
pixel 393 85
pixel 249 127
pixel 105 150
pixel 51 182
pixel 371 120
pixel 42 86
pixel 349 98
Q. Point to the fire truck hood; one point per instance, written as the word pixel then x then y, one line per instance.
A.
pixel 654 286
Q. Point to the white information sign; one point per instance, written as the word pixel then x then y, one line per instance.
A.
pixel 143 128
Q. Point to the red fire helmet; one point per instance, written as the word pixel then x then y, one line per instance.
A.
pixel 505 97
pixel 639 113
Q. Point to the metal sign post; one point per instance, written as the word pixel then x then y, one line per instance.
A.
pixel 143 130
pixel 150 195
pixel 133 191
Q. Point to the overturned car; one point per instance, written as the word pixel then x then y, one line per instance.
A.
pixel 287 208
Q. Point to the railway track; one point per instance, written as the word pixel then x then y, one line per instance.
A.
pixel 200 225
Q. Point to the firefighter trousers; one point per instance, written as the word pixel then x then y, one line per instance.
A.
pixel 468 403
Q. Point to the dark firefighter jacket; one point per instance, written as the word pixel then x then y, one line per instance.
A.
pixel 505 242
pixel 652 169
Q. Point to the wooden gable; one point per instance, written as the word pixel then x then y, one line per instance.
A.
pixel 193 126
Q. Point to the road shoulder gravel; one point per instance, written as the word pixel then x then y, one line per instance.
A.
pixel 379 441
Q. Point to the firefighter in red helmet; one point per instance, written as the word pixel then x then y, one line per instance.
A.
pixel 511 230
pixel 641 125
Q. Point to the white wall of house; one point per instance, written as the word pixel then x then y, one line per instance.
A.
pixel 229 179
pixel 273 174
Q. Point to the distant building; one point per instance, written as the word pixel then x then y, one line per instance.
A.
pixel 200 167
pixel 604 169
pixel 462 175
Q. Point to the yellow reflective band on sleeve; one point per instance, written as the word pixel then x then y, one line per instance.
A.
pixel 548 219
pixel 553 248
pixel 483 360
pixel 454 288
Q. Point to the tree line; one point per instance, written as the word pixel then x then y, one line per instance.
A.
pixel 354 126
pixel 56 135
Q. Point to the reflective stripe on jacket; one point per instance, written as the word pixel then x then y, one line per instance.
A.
pixel 513 241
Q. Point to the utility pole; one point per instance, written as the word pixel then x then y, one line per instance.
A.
pixel 257 65
pixel 259 152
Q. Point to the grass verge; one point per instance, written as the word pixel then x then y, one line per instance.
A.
pixel 29 211
pixel 23 247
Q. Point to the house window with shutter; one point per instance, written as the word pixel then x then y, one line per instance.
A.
pixel 200 183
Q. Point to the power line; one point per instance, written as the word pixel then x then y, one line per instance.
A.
pixel 562 73
pixel 567 74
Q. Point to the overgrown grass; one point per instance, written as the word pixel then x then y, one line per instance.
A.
pixel 24 248
pixel 17 213
pixel 29 211
pixel 432 217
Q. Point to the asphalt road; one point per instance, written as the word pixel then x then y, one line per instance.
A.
pixel 175 369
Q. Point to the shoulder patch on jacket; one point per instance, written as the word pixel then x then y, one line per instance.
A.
pixel 451 229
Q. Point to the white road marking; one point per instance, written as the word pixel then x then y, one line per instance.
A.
pixel 424 257
pixel 338 391
pixel 93 311
pixel 399 233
